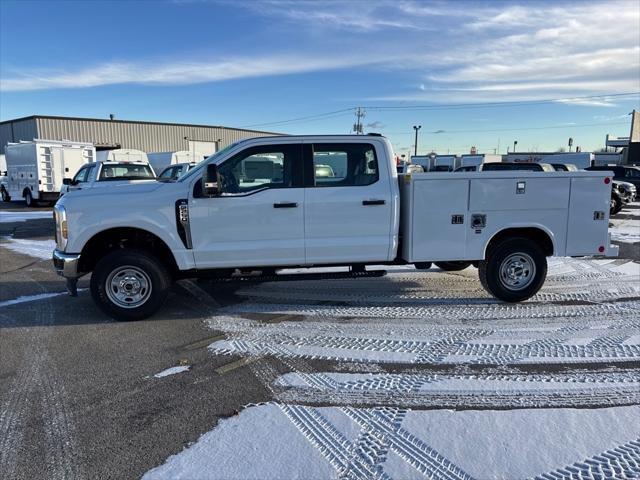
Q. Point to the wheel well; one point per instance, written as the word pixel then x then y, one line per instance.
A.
pixel 25 191
pixel 115 238
pixel 538 235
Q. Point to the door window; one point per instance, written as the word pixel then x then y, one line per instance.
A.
pixel 81 176
pixel 167 173
pixel 258 168
pixel 344 165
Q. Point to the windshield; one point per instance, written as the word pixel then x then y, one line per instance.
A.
pixel 125 171
pixel 195 170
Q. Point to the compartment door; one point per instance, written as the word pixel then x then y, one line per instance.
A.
pixel 586 232
pixel 440 221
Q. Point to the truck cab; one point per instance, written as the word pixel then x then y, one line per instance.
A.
pixel 107 173
pixel 271 203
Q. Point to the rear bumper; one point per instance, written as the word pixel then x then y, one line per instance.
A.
pixel 66 264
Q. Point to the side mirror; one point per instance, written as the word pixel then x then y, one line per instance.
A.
pixel 67 181
pixel 210 181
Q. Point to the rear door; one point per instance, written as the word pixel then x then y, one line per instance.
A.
pixel 348 202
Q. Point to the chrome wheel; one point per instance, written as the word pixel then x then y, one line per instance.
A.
pixel 517 271
pixel 128 286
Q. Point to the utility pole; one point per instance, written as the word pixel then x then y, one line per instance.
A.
pixel 416 128
pixel 357 127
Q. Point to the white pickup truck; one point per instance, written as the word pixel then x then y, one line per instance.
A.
pixel 270 203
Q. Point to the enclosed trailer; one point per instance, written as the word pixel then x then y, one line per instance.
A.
pixel 36 169
pixel 581 160
pixel 122 155
pixel 477 160
pixel 160 160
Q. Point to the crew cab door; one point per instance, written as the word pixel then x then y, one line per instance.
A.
pixel 258 218
pixel 348 203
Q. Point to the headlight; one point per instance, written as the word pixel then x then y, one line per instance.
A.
pixel 62 232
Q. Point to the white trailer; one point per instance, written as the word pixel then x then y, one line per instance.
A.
pixel 122 155
pixel 581 160
pixel 160 160
pixel 36 169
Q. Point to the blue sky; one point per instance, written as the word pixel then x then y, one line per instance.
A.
pixel 259 62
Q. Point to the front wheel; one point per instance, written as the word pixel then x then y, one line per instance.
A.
pixel 422 265
pixel 452 266
pixel 514 270
pixel 5 195
pixel 129 284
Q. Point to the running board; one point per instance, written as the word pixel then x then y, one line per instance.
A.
pixel 295 277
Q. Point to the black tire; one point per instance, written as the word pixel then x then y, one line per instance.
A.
pixel 422 265
pixel 5 195
pixel 28 199
pixel 615 206
pixel 140 273
pixel 513 249
pixel 452 266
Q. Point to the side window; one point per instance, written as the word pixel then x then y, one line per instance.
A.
pixel 81 176
pixel 344 165
pixel 257 168
pixel 167 173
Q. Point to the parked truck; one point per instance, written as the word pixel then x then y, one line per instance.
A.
pixel 36 169
pixel 161 160
pixel 227 216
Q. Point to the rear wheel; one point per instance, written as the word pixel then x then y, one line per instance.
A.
pixel 5 195
pixel 129 284
pixel 514 270
pixel 422 265
pixel 28 199
pixel 616 205
pixel 452 266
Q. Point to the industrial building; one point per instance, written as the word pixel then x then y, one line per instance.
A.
pixel 108 134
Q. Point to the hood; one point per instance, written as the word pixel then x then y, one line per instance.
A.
pixel 119 192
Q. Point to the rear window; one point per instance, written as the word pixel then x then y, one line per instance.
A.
pixel 128 171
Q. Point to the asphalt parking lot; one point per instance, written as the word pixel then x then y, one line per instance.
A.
pixel 79 397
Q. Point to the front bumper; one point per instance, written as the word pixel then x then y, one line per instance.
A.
pixel 66 264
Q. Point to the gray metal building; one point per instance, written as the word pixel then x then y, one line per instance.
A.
pixel 145 136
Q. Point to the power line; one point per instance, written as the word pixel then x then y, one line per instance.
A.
pixel 515 103
pixel 308 117
pixel 440 106
pixel 516 129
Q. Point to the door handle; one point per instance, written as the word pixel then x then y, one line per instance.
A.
pixel 373 202
pixel 285 205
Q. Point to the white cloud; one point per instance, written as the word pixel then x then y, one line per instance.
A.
pixel 178 73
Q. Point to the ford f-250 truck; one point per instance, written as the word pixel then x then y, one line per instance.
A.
pixel 304 201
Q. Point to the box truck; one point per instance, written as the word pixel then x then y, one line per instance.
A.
pixel 36 169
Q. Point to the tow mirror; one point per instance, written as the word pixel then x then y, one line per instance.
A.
pixel 67 181
pixel 210 181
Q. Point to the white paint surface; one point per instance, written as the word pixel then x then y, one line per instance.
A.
pixel 30 298
pixel 172 371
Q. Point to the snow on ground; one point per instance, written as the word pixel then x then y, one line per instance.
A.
pixel 23 216
pixel 514 373
pixel 30 298
pixel 172 371
pixel 34 248
pixel 625 230
pixel 358 443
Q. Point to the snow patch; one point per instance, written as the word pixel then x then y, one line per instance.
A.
pixel 173 371
pixel 10 217
pixel 34 248
pixel 30 298
pixel 330 442
pixel 625 231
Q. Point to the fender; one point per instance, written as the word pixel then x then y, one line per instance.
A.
pixel 516 226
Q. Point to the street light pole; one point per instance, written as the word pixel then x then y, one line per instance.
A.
pixel 416 128
pixel 515 142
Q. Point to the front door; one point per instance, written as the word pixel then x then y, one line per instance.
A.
pixel 258 218
pixel 348 205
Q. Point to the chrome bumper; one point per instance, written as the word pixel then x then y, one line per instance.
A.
pixel 66 264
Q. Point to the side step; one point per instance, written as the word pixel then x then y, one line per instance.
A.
pixel 296 277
